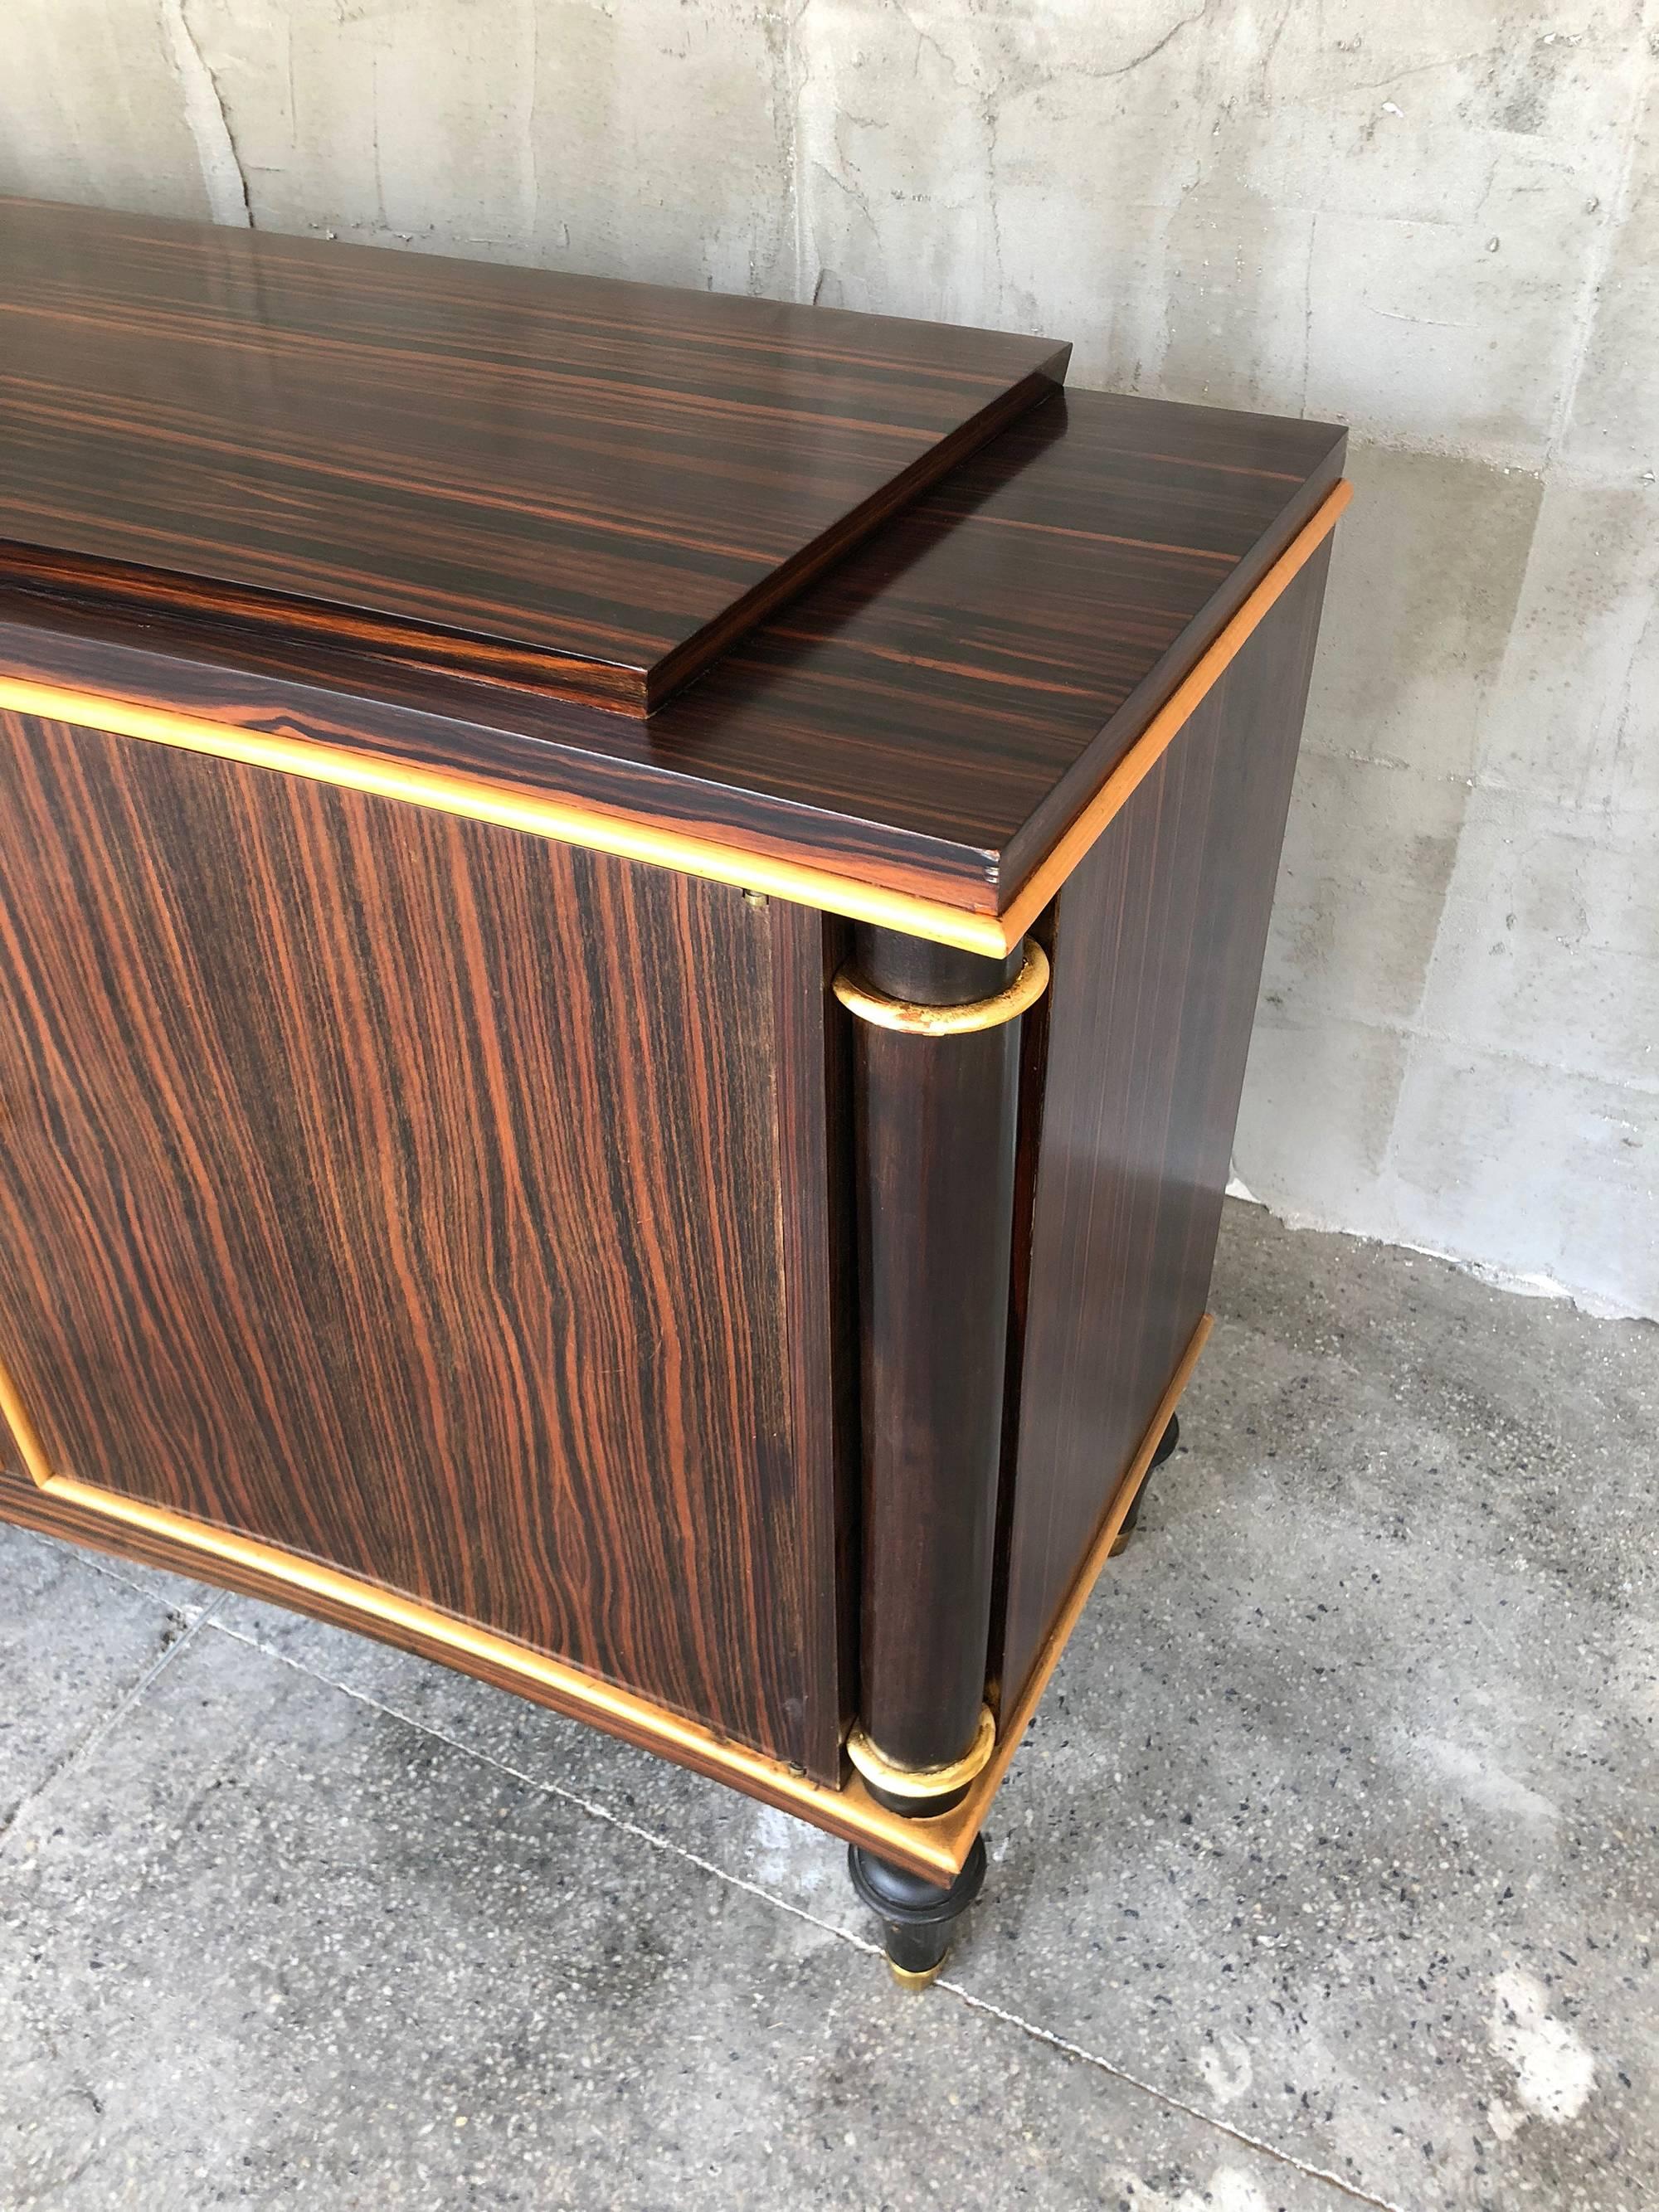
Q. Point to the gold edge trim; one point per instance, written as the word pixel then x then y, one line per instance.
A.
pixel 937 1846
pixel 904 1014
pixel 922 1781
pixel 561 821
pixel 12 1411
pixel 850 1812
pixel 566 823
pixel 585 1691
pixel 958 1828
pixel 1177 710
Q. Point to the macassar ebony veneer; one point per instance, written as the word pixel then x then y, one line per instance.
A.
pixel 690 1199
pixel 565 482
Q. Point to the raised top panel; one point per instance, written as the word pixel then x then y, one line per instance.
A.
pixel 588 487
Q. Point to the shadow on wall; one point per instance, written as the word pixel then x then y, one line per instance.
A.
pixel 1454 1047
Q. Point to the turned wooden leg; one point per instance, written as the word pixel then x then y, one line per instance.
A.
pixel 1166 1444
pixel 935 1059
pixel 918 1917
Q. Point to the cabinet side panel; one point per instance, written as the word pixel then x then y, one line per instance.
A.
pixel 1159 938
pixel 403 1193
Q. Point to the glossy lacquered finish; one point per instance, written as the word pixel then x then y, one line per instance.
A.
pixel 1159 941
pixel 459 1173
pixel 928 718
pixel 934 1136
pixel 582 486
pixel 410 1196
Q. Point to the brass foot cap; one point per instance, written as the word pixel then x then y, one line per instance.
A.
pixel 907 1980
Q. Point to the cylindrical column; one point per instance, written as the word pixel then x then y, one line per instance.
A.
pixel 935 1087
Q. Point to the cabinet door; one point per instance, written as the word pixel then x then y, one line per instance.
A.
pixel 411 1195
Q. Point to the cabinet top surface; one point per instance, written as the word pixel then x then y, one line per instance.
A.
pixel 924 716
pixel 588 486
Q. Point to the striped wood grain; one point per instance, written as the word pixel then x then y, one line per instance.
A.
pixel 407 1194
pixel 585 486
pixel 932 718
pixel 1159 939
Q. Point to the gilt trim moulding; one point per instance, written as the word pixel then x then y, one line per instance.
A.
pixel 936 1849
pixel 572 823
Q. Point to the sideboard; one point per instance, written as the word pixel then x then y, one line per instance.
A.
pixel 629 933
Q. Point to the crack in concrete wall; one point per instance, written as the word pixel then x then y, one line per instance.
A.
pixel 222 174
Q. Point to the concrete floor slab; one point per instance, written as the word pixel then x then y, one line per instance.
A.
pixel 273 1944
pixel 1339 1820
pixel 1337 1831
pixel 74 1644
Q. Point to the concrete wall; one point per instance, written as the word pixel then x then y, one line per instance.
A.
pixel 1437 222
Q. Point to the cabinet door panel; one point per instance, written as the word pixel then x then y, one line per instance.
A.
pixel 407 1193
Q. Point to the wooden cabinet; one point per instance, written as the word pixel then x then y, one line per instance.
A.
pixel 628 925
